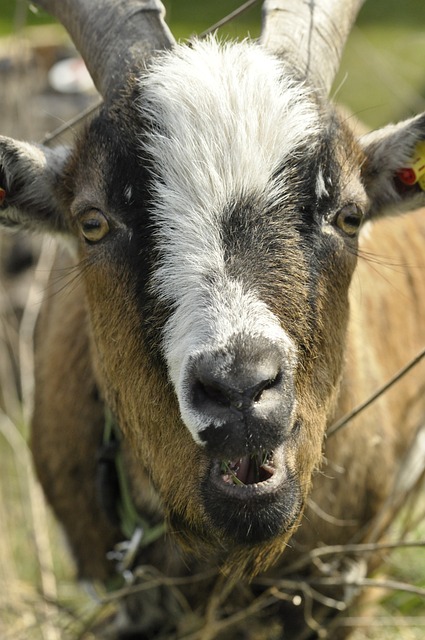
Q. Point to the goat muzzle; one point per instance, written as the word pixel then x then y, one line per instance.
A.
pixel 242 398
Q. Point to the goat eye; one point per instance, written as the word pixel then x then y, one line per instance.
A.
pixel 349 219
pixel 94 225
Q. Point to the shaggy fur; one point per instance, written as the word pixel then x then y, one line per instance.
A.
pixel 232 200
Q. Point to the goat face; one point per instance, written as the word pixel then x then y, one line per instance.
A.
pixel 222 241
pixel 216 207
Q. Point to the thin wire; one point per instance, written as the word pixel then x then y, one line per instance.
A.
pixel 50 137
pixel 231 16
pixel 361 407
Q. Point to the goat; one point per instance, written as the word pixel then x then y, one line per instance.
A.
pixel 215 209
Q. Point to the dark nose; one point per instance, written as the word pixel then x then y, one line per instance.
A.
pixel 228 385
pixel 245 393
pixel 212 392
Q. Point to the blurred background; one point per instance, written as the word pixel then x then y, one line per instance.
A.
pixel 42 86
pixel 382 72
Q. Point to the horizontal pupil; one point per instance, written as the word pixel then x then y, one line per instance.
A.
pixel 92 224
pixel 352 221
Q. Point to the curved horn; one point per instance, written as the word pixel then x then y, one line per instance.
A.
pixel 113 36
pixel 311 34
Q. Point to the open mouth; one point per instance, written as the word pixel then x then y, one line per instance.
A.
pixel 252 498
pixel 248 470
pixel 249 475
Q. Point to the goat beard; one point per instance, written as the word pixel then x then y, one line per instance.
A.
pixel 238 562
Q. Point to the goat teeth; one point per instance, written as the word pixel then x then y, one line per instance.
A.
pixel 247 471
pixel 268 467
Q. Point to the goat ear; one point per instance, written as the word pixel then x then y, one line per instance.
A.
pixel 389 152
pixel 29 178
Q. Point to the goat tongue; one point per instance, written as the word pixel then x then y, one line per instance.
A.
pixel 246 470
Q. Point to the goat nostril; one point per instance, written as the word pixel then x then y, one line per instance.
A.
pixel 210 392
pixel 214 393
pixel 235 384
pixel 259 389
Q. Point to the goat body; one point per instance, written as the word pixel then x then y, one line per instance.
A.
pixel 217 208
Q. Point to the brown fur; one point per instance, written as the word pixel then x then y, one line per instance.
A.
pixel 95 350
pixel 385 330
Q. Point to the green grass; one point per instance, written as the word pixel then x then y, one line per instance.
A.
pixel 184 16
pixel 16 13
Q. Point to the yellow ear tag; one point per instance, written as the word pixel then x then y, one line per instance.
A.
pixel 2 196
pixel 414 173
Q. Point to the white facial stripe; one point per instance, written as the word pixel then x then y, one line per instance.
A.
pixel 229 119
pixel 208 318
pixel 206 322
pixel 224 119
